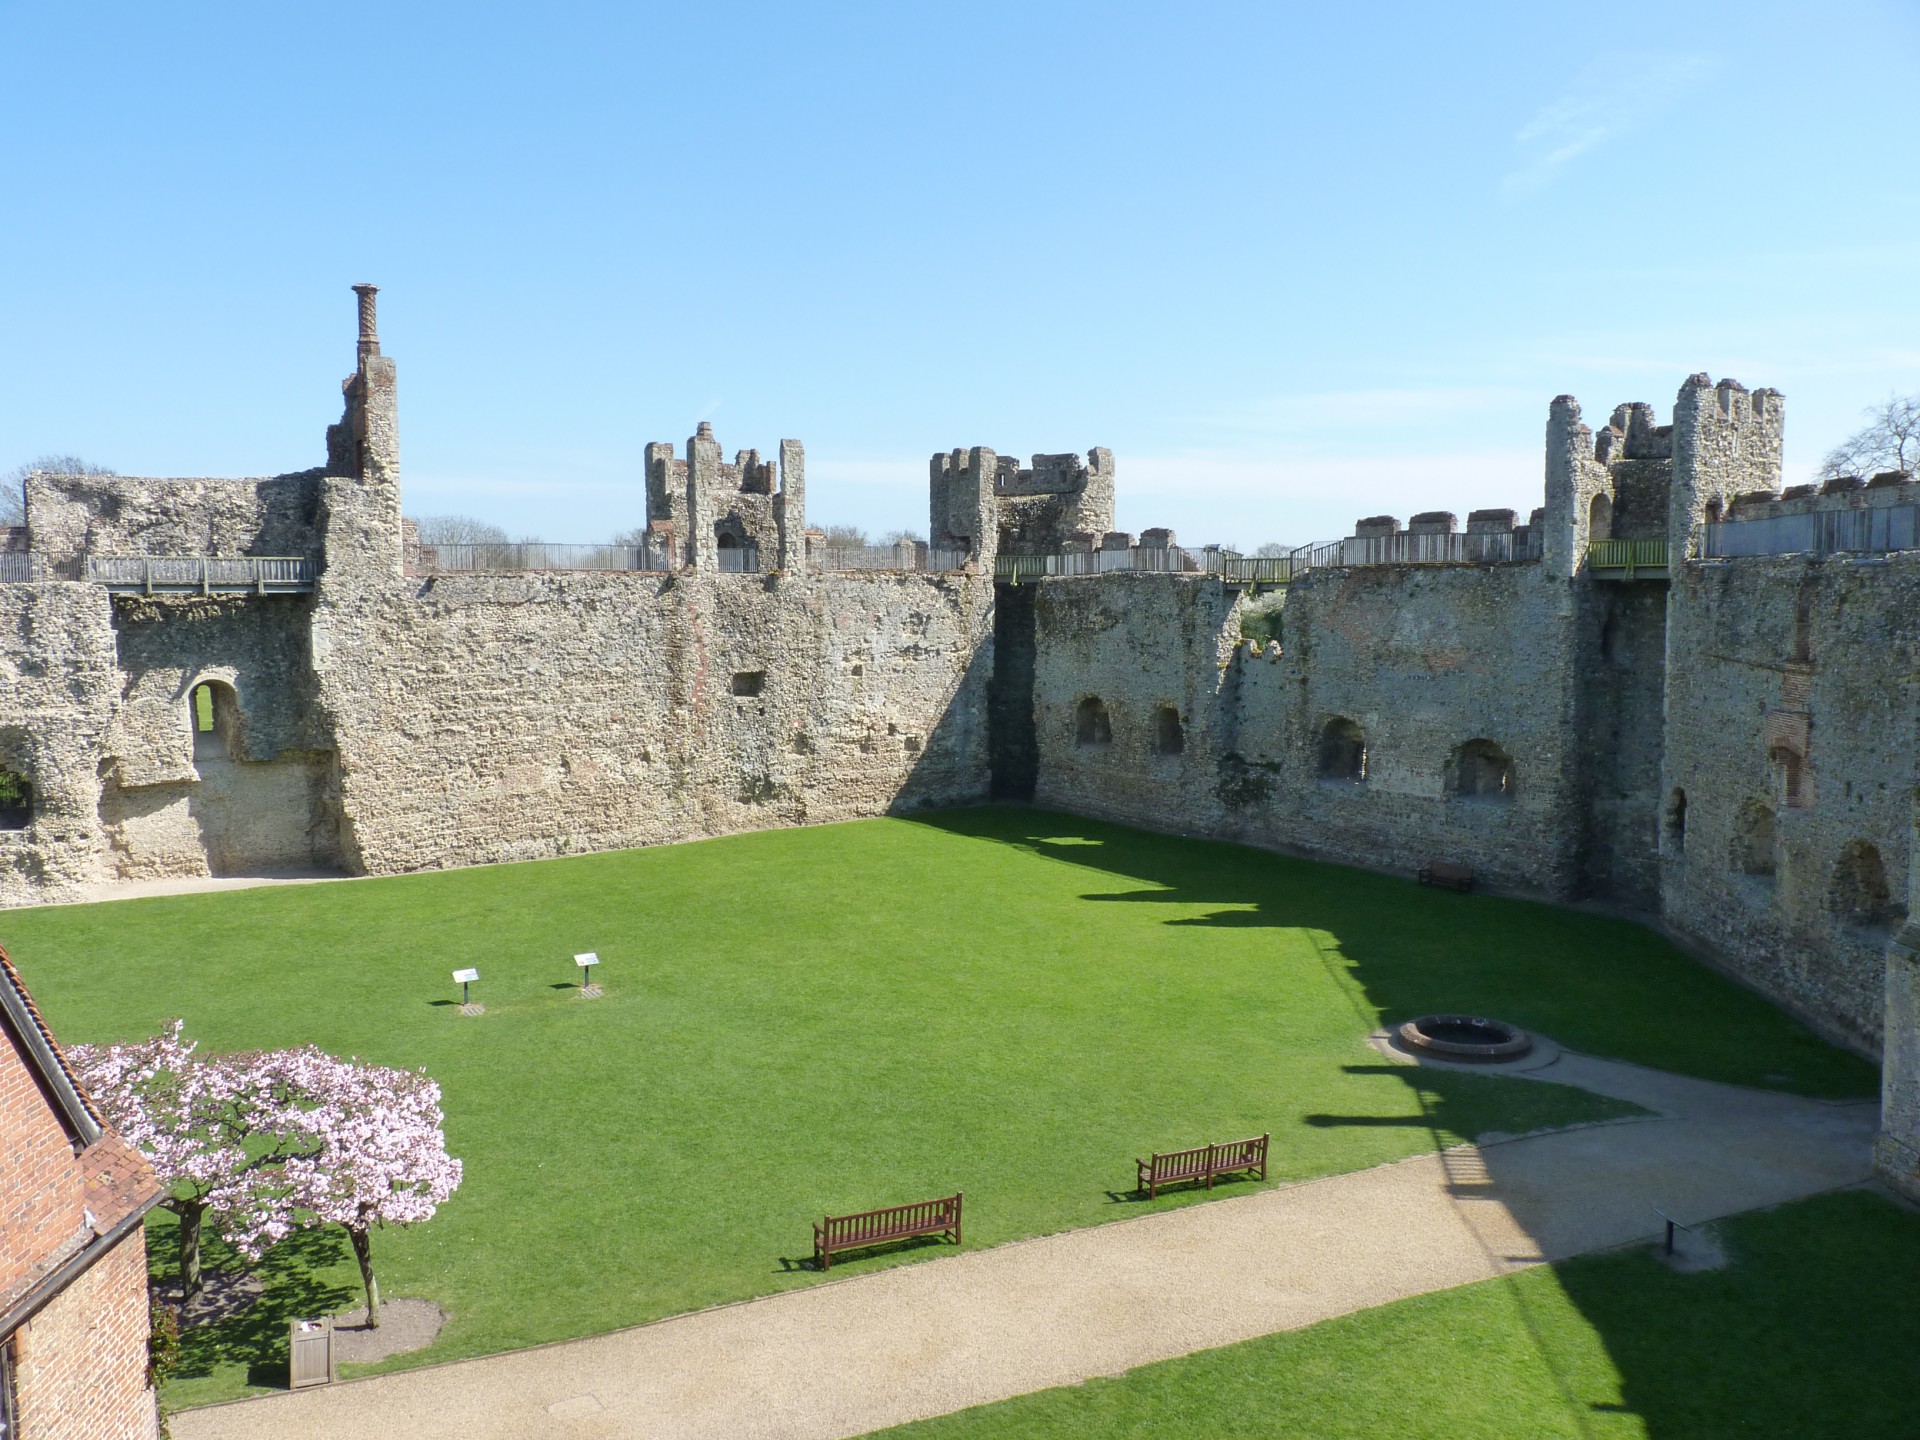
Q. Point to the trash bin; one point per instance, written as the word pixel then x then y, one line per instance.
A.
pixel 309 1353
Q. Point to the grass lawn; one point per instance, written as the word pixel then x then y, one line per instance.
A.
pixel 1809 1333
pixel 997 1000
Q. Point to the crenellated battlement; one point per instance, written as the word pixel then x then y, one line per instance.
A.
pixel 745 516
pixel 989 505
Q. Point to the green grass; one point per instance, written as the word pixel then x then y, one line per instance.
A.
pixel 1810 1331
pixel 998 1000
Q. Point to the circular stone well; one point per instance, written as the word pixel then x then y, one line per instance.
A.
pixel 1465 1037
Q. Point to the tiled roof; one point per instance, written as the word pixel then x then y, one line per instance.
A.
pixel 118 1180
pixel 66 1079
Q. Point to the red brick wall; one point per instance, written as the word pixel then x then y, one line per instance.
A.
pixel 42 1197
pixel 81 1363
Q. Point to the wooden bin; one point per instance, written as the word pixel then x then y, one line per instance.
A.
pixel 309 1353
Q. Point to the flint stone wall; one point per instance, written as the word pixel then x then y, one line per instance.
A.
pixel 1737 690
pixel 1423 659
pixel 505 717
pixel 58 689
pixel 70 515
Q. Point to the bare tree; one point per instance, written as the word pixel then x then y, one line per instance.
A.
pixel 897 537
pixel 846 537
pixel 1272 550
pixel 1890 440
pixel 459 530
pixel 13 487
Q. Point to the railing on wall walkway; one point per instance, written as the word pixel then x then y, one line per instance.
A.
pixel 202 574
pixel 1877 530
pixel 921 558
pixel 539 555
pixel 1169 560
pixel 1627 559
pixel 1489 547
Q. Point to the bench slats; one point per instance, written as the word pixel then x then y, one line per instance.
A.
pixel 876 1227
pixel 1203 1162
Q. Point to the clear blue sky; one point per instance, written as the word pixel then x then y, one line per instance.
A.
pixel 1294 264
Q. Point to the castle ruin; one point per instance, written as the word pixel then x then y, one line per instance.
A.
pixel 1674 688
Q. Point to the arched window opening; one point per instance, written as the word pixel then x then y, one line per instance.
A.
pixel 1091 725
pixel 1753 841
pixel 1169 736
pixel 16 800
pixel 736 552
pixel 1482 771
pixel 1600 518
pixel 215 714
pixel 1859 894
pixel 1343 751
pixel 1677 821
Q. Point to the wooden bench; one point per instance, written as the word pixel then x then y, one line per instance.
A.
pixel 877 1227
pixel 1448 874
pixel 1202 1163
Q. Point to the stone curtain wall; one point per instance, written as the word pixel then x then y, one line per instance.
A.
pixel 1621 667
pixel 58 690
pixel 1133 644
pixel 70 515
pixel 1777 666
pixel 485 718
pixel 1424 660
pixel 1421 659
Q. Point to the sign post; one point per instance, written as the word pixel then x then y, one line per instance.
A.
pixel 465 978
pixel 586 963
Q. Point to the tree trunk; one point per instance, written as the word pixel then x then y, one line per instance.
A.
pixel 191 1212
pixel 363 1252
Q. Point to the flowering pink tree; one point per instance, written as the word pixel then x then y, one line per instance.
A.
pixel 375 1152
pixel 202 1124
pixel 268 1141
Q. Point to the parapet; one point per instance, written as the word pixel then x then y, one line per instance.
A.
pixel 1433 537
pixel 1051 474
pixel 989 504
pixel 752 510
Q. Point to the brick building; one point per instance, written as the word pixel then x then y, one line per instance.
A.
pixel 73 1266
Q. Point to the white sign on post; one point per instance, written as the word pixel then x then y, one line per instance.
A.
pixel 465 977
pixel 587 959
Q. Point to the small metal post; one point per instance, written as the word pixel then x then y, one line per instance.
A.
pixel 466 999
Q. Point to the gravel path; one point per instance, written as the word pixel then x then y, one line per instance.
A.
pixel 844 1358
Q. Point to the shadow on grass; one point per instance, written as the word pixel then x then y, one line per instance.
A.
pixel 1598 984
pixel 843 1259
pixel 256 1338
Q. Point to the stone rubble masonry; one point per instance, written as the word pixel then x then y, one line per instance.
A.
pixel 391 722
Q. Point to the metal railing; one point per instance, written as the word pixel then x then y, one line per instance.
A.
pixel 1819 532
pixel 20 568
pixel 1491 547
pixel 539 555
pixel 201 574
pixel 916 557
pixel 1626 559
pixel 1170 560
pixel 738 560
